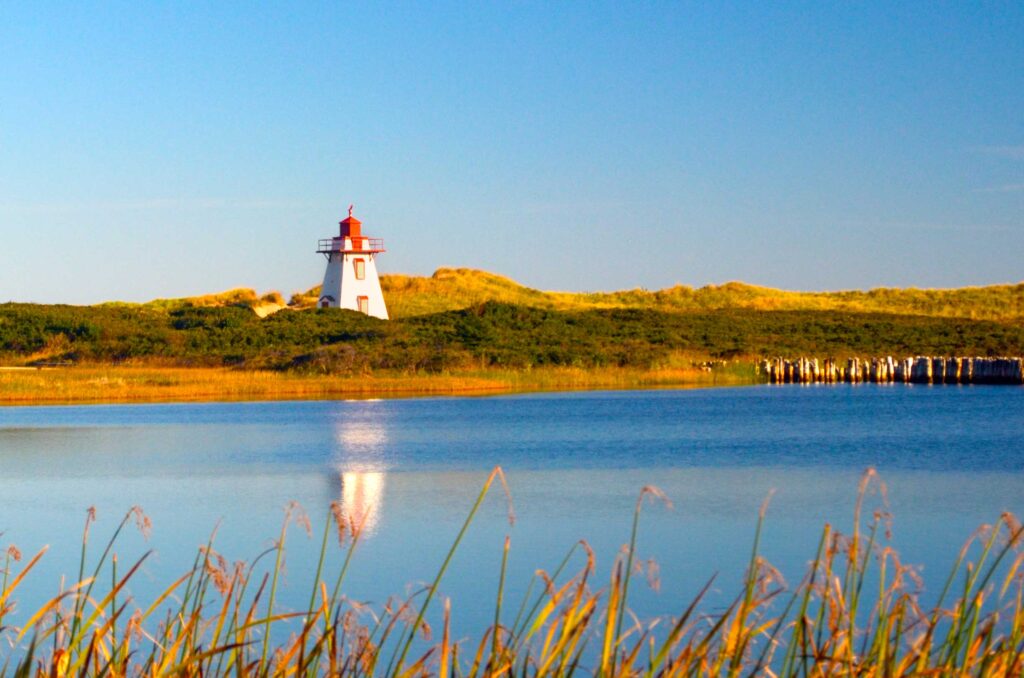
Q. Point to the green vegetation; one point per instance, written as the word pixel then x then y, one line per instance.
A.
pixel 488 335
pixel 856 612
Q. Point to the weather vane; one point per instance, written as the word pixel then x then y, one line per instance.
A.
pixel 350 207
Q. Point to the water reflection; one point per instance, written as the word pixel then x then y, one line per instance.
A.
pixel 362 495
pixel 361 438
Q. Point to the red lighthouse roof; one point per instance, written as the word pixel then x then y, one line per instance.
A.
pixel 350 226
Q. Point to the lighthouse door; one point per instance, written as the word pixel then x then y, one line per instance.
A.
pixel 364 304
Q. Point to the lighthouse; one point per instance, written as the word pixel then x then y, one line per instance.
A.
pixel 351 277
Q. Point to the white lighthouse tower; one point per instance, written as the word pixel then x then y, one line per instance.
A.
pixel 351 277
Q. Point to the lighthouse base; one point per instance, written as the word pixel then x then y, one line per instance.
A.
pixel 351 282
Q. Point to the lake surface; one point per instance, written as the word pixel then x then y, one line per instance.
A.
pixel 951 456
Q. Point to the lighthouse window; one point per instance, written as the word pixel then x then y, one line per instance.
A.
pixel 360 266
pixel 364 304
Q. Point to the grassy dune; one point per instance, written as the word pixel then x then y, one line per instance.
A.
pixel 856 612
pixel 450 289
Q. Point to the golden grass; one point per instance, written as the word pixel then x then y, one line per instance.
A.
pixel 239 296
pixel 456 288
pixel 451 289
pixel 218 619
pixel 90 384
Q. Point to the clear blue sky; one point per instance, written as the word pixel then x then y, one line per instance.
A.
pixel 166 149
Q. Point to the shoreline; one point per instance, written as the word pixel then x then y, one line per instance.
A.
pixel 104 384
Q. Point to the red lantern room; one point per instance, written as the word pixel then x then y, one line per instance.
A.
pixel 350 226
pixel 351 239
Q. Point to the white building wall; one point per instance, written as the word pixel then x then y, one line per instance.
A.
pixel 341 289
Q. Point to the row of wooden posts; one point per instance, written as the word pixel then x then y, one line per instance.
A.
pixel 919 370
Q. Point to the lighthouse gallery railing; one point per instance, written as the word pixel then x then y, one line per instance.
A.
pixel 359 244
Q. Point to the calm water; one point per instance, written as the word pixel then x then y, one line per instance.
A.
pixel 952 457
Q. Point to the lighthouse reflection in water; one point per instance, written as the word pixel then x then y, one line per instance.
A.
pixel 361 436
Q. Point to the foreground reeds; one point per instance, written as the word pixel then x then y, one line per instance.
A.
pixel 857 612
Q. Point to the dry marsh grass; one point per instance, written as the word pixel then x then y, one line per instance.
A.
pixel 856 612
pixel 83 384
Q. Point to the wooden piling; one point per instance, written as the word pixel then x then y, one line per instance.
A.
pixel 883 370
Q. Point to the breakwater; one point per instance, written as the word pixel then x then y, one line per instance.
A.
pixel 917 370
